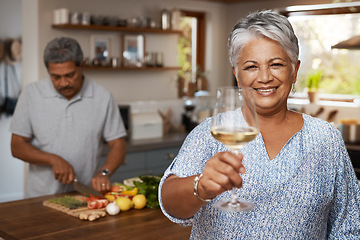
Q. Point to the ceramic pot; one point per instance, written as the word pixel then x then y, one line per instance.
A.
pixel 312 97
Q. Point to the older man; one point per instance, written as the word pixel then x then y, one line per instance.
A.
pixel 60 123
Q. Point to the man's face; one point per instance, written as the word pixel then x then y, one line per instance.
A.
pixel 66 78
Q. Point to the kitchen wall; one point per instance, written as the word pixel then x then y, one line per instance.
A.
pixel 127 86
pixel 131 85
pixel 150 88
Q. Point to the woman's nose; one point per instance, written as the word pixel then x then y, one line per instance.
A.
pixel 265 75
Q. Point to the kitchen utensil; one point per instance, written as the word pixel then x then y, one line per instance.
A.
pixel 86 190
pixel 318 112
pixel 331 116
pixel 74 212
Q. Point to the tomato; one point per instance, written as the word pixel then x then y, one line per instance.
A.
pixel 116 188
pixel 91 198
pixel 92 204
pixel 96 203
pixel 103 202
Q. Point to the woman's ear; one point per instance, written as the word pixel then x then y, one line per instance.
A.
pixel 296 70
pixel 234 72
pixel 235 75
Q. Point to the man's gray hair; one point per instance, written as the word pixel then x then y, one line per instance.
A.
pixel 61 50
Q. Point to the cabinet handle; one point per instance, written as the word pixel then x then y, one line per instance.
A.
pixel 169 156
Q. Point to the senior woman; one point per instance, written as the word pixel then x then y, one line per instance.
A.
pixel 298 172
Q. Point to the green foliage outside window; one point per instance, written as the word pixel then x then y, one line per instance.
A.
pixel 340 68
pixel 184 49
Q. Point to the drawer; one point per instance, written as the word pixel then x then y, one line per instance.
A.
pixel 161 158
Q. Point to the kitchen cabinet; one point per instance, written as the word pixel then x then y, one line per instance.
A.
pixel 124 30
pixel 354 153
pixel 146 156
pixel 151 162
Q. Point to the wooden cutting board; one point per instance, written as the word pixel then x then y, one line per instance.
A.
pixel 72 212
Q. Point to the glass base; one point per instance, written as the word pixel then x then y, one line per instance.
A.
pixel 234 207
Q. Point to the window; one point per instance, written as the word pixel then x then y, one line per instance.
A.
pixel 318 31
pixel 191 47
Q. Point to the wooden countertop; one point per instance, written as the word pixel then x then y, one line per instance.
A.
pixel 29 219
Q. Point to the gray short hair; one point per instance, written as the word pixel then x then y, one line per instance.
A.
pixel 61 50
pixel 265 23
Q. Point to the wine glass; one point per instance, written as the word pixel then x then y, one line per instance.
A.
pixel 234 123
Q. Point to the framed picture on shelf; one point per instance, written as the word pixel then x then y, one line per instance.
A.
pixel 102 48
pixel 133 50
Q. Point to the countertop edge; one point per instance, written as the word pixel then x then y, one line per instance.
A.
pixel 167 141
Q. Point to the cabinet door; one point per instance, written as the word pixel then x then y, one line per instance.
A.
pixel 133 166
pixel 355 159
pixel 158 160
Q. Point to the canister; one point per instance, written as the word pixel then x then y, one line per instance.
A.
pixel 350 132
pixel 165 19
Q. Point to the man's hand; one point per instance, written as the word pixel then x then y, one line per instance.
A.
pixel 101 183
pixel 22 148
pixel 63 171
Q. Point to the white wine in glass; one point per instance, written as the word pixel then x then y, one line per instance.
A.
pixel 234 124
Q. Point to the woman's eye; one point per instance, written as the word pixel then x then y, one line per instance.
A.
pixel 277 65
pixel 250 67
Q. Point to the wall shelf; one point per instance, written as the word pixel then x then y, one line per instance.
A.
pixel 125 30
pixel 113 28
pixel 109 68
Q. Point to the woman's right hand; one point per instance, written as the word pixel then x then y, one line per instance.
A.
pixel 220 174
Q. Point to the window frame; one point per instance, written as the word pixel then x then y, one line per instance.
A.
pixel 324 9
pixel 200 36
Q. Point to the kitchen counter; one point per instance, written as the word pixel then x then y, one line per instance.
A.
pixel 353 147
pixel 167 141
pixel 29 219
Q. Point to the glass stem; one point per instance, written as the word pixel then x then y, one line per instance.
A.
pixel 233 199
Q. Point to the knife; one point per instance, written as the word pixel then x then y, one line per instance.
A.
pixel 86 190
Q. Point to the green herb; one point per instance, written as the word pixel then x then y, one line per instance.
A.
pixel 313 80
pixel 69 202
pixel 149 187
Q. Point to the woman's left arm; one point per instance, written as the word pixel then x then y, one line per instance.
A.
pixel 344 220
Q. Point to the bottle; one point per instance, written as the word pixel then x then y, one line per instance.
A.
pixel 165 19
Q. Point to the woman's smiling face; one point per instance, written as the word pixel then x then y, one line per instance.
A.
pixel 264 66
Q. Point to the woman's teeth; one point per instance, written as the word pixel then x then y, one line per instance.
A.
pixel 266 90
